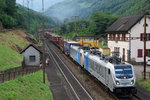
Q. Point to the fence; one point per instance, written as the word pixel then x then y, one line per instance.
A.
pixel 16 72
pixel 147 74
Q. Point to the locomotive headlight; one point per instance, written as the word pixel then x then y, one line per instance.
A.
pixel 117 82
pixel 132 82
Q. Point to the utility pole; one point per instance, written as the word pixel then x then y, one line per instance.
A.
pixel 32 4
pixel 43 12
pixel 43 42
pixel 145 47
pixel 75 22
pixel 28 14
pixel 23 3
pixel 83 25
pixel 129 52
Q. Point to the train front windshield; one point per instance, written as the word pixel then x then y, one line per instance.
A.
pixel 123 72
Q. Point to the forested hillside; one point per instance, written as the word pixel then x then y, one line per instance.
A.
pixel 30 19
pixel 97 23
pixel 13 15
pixel 84 8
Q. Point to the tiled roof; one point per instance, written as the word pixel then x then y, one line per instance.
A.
pixel 125 23
pixel 32 46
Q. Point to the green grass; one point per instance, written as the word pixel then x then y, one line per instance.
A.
pixel 9 58
pixel 144 83
pixel 13 39
pixel 9 41
pixel 29 87
pixel 86 78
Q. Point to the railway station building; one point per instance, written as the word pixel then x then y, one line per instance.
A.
pixel 125 37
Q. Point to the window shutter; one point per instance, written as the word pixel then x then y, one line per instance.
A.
pixel 114 36
pixel 125 37
pixel 110 36
pixel 141 36
pixel 146 52
pixel 118 37
pixel 140 53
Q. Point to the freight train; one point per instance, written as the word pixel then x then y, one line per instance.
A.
pixel 114 74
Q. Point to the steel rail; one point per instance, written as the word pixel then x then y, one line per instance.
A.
pixel 63 74
pixel 71 74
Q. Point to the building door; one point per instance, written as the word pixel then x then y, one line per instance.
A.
pixel 123 56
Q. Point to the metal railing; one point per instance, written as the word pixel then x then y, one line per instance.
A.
pixel 16 72
pixel 147 74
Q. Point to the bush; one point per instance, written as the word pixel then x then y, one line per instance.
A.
pixel 8 21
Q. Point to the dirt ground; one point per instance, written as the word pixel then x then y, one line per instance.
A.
pixel 16 39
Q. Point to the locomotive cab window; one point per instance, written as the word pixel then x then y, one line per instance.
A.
pixel 123 72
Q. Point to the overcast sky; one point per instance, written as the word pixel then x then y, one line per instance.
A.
pixel 37 4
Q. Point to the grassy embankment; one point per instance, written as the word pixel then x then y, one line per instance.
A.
pixel 29 87
pixel 144 83
pixel 10 45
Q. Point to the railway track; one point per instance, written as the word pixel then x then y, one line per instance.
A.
pixel 134 97
pixel 80 92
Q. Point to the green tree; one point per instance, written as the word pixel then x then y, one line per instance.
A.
pixel 99 22
pixel 8 21
pixel 2 5
pixel 11 7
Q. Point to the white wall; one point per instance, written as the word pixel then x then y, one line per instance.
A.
pixel 121 45
pixel 29 52
pixel 137 44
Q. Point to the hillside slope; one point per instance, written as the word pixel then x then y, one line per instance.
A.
pixel 28 87
pixel 30 20
pixel 11 43
pixel 14 15
pixel 84 8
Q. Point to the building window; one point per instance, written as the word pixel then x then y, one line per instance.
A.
pixel 142 37
pixel 114 36
pixel 116 49
pixel 123 36
pixel 110 36
pixel 32 58
pixel 149 36
pixel 118 37
pixel 148 52
pixel 140 54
